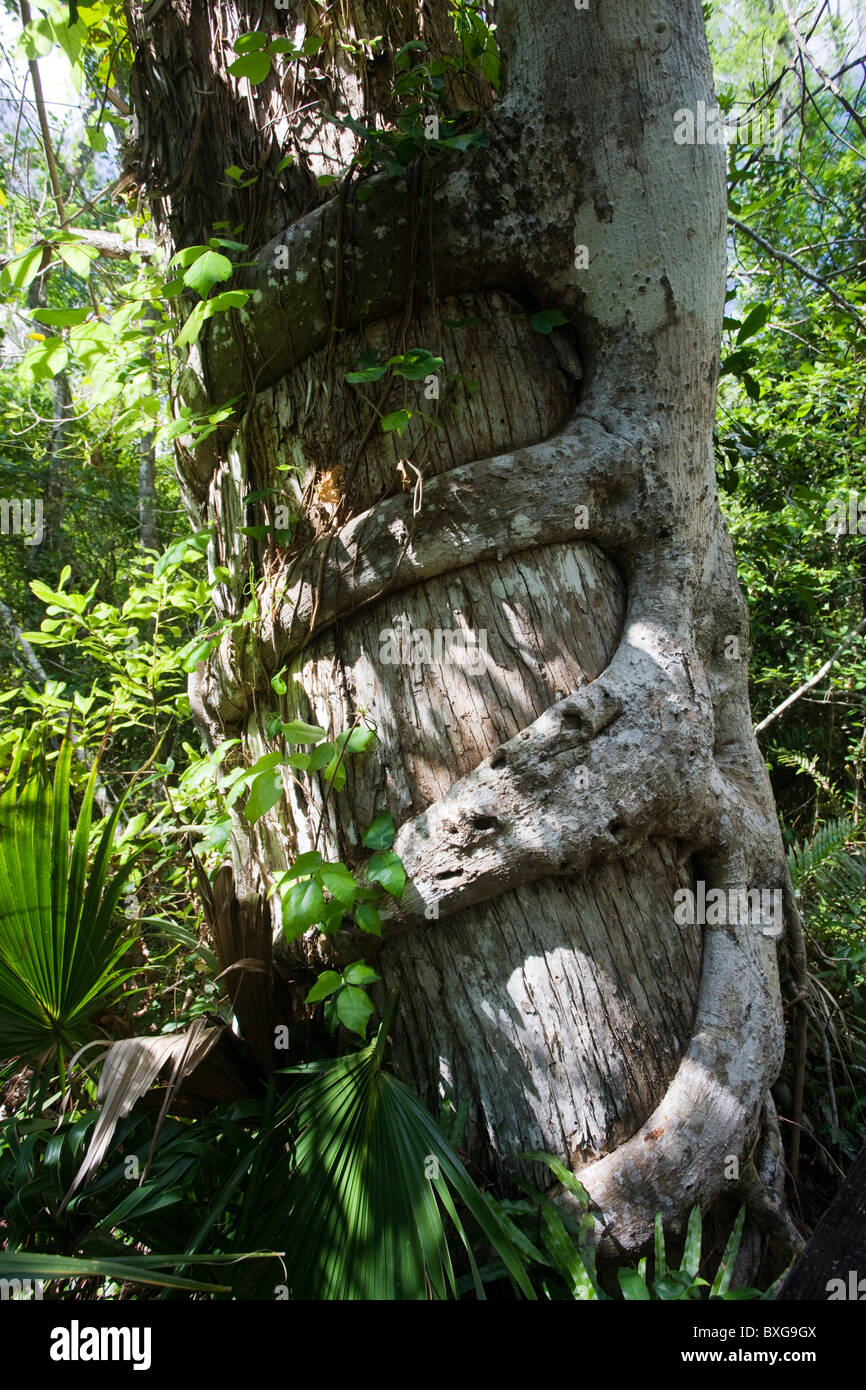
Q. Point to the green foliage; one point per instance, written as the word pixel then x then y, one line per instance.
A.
pixel 684 1283
pixel 60 938
pixel 789 458
pixel 552 1236
pixel 374 1184
pixel 340 1168
pixel 347 1002
pixel 135 1269
pixel 305 903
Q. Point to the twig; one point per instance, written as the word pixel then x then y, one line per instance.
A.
pixel 801 269
pixel 810 684
pixel 824 76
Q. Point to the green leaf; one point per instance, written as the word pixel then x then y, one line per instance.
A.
pixel 61 318
pixel 193 546
pixel 561 1173
pixel 417 364
pixel 491 68
pixel 737 362
pixel 265 792
pixel 254 66
pixel 61 940
pixel 692 1251
pixel 321 756
pixel 358 740
pixel 249 43
pixel 362 1131
pixel 45 360
pixel 195 652
pixel 78 257
pixel 193 325
pixel 387 870
pixel 547 319
pixel 634 1287
pixel 218 834
pixel 299 732
pixel 381 832
pixel 37 40
pixel 361 974
pixel 206 271
pixel 660 1269
pixel 328 981
pixel 722 1282
pixel 187 255
pixel 133 1268
pixel 19 272
pixel 354 1010
pixel 753 388
pixel 564 1255
pixel 228 299
pixel 367 374
pixel 754 321
pixel 396 421
pixel 335 773
pixel 306 863
pixel 332 918
pixel 368 919
pixel 303 907
pixel 339 882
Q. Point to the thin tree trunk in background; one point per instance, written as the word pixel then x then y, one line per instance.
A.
pixel 147 533
pixel 54 490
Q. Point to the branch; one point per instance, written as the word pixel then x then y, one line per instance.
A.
pixel 112 244
pixel 117 102
pixel 824 76
pixel 801 269
pixel 810 684
pixel 53 175
pixel 17 636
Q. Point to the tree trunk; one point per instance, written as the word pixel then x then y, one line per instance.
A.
pixel 553 794
pixel 147 537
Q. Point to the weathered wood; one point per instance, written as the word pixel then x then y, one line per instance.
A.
pixel 836 1250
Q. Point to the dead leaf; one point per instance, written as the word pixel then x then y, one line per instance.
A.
pixel 328 491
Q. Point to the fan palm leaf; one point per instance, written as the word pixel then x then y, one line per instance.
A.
pixel 60 942
pixel 372 1187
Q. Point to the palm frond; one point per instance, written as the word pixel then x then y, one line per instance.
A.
pixel 373 1182
pixel 60 942
pixel 131 1066
pixel 826 864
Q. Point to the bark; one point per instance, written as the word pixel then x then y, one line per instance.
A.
pixel 550 804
